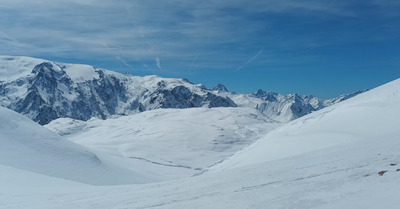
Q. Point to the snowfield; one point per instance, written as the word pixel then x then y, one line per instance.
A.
pixel 28 146
pixel 169 143
pixel 344 156
pixel 369 117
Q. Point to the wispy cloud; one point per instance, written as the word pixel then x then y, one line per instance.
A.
pixel 124 62
pixel 193 61
pixel 158 63
pixel 250 60
pixel 6 38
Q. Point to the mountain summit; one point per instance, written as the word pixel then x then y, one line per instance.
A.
pixel 220 88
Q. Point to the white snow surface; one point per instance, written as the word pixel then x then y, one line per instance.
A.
pixel 169 143
pixel 346 156
pixel 22 65
pixel 26 145
pixel 369 116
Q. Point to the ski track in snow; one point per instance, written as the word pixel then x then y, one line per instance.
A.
pixel 172 164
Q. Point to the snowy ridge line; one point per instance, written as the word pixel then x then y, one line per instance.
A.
pixel 45 90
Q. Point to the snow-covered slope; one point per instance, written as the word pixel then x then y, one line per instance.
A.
pixel 370 116
pixel 44 91
pixel 346 156
pixel 28 146
pixel 169 143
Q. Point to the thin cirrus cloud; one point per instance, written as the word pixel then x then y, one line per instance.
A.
pixel 158 63
pixel 250 60
pixel 181 33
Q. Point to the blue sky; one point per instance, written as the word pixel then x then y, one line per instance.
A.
pixel 319 47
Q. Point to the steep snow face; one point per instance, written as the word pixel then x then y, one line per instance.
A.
pixel 28 146
pixel 169 143
pixel 44 90
pixel 370 116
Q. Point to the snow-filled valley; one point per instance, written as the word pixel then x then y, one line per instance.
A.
pixel 169 143
pixel 345 155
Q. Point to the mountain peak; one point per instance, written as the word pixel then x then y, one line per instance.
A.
pixel 266 95
pixel 220 88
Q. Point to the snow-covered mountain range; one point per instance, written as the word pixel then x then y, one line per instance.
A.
pixel 44 90
pixel 282 108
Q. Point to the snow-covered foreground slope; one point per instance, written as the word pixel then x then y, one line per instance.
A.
pixel 28 146
pixel 335 178
pixel 349 158
pixel 370 116
pixel 169 143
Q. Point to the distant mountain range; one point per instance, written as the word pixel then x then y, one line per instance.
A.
pixel 282 108
pixel 44 90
